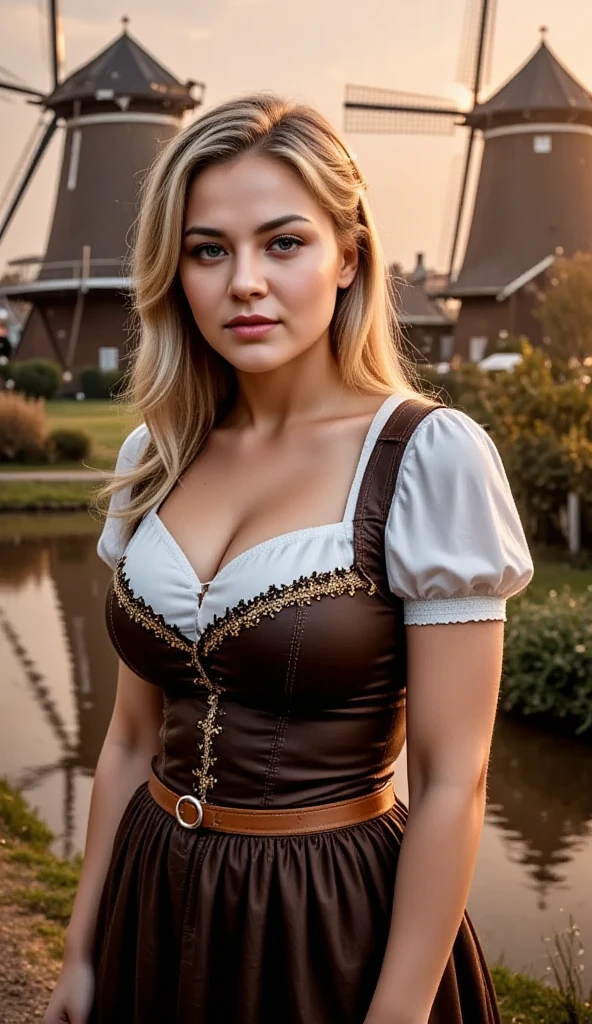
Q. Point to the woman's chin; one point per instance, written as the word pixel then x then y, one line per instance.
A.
pixel 259 358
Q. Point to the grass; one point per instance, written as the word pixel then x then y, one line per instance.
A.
pixel 524 1000
pixel 552 573
pixel 46 884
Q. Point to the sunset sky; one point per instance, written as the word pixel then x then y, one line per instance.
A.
pixel 307 50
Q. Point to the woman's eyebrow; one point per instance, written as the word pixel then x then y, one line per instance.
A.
pixel 270 225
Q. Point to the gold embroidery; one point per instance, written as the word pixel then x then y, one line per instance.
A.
pixel 304 590
pixel 140 612
pixel 205 780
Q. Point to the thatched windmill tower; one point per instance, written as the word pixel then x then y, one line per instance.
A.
pixel 533 194
pixel 116 111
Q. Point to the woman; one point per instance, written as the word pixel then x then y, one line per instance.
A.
pixel 306 554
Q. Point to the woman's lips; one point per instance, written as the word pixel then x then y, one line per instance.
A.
pixel 251 331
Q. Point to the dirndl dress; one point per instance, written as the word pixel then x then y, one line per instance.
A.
pixel 285 686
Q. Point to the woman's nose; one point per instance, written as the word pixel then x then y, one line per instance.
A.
pixel 247 277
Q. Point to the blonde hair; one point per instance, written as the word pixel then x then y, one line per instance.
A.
pixel 178 384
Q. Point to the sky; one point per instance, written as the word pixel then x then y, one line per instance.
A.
pixel 307 50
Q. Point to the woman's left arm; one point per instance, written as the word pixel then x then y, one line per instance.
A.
pixel 453 681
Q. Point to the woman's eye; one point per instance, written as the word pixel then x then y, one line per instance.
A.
pixel 209 251
pixel 287 243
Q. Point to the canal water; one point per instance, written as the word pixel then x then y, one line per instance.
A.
pixel 57 682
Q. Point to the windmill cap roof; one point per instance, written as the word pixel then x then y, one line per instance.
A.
pixel 542 83
pixel 124 68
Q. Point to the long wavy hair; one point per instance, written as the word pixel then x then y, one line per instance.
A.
pixel 177 383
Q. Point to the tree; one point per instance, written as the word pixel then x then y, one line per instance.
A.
pixel 565 309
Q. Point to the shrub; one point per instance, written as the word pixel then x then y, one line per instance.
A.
pixel 37 378
pixel 91 381
pixel 97 383
pixel 114 382
pixel 69 445
pixel 23 428
pixel 548 659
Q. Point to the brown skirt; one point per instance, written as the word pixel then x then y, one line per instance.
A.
pixel 211 928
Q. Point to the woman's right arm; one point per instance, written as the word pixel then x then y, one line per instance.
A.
pixel 124 764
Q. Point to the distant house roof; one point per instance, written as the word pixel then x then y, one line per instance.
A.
pixel 542 84
pixel 124 69
pixel 416 308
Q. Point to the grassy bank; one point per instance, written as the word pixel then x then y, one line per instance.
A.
pixel 34 496
pixel 41 889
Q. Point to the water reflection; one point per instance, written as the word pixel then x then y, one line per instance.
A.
pixel 59 669
pixel 540 795
pixel 57 688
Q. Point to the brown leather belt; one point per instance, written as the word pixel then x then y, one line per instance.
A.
pixel 285 822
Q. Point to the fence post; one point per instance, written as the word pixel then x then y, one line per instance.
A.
pixel 573 523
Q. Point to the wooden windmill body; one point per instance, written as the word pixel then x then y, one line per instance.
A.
pixel 533 200
pixel 116 112
pixel 533 197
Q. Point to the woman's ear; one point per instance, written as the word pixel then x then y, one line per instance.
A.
pixel 350 258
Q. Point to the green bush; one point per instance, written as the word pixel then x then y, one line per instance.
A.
pixel 69 445
pixel 90 379
pixel 36 378
pixel 114 382
pixel 97 383
pixel 548 659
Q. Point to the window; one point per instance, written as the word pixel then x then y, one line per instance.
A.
pixel 543 144
pixel 446 347
pixel 108 358
pixel 477 348
pixel 74 159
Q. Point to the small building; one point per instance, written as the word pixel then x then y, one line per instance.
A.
pixel 427 327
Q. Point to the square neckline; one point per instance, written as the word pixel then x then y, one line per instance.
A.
pixel 376 424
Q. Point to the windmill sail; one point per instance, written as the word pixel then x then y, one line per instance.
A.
pixel 387 110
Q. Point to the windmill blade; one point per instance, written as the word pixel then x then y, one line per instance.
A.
pixel 28 174
pixel 461 203
pixel 474 63
pixel 56 42
pixel 22 89
pixel 386 110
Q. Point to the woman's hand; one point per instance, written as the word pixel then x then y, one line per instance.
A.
pixel 73 995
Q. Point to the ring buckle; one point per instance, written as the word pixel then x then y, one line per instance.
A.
pixel 198 807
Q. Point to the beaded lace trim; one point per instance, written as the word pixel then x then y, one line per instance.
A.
pixel 244 615
pixel 302 591
pixel 140 612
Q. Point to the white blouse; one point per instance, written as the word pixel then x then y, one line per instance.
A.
pixel 454 545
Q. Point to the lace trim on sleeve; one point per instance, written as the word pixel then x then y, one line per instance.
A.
pixel 454 609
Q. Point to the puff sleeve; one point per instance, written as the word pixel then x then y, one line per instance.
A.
pixel 454 543
pixel 111 543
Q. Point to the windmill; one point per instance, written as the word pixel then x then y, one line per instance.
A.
pixel 116 111
pixel 532 197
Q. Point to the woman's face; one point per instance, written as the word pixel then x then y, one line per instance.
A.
pixel 257 244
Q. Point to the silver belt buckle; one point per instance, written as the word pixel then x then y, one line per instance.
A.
pixel 198 808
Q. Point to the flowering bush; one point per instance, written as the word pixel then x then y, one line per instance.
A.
pixel 548 659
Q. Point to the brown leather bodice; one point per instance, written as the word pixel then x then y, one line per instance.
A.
pixel 297 696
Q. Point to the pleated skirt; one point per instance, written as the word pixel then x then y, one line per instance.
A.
pixel 203 927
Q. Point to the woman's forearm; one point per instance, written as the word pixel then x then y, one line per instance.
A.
pixel 120 770
pixel 434 874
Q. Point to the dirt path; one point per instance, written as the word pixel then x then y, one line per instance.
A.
pixel 27 971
